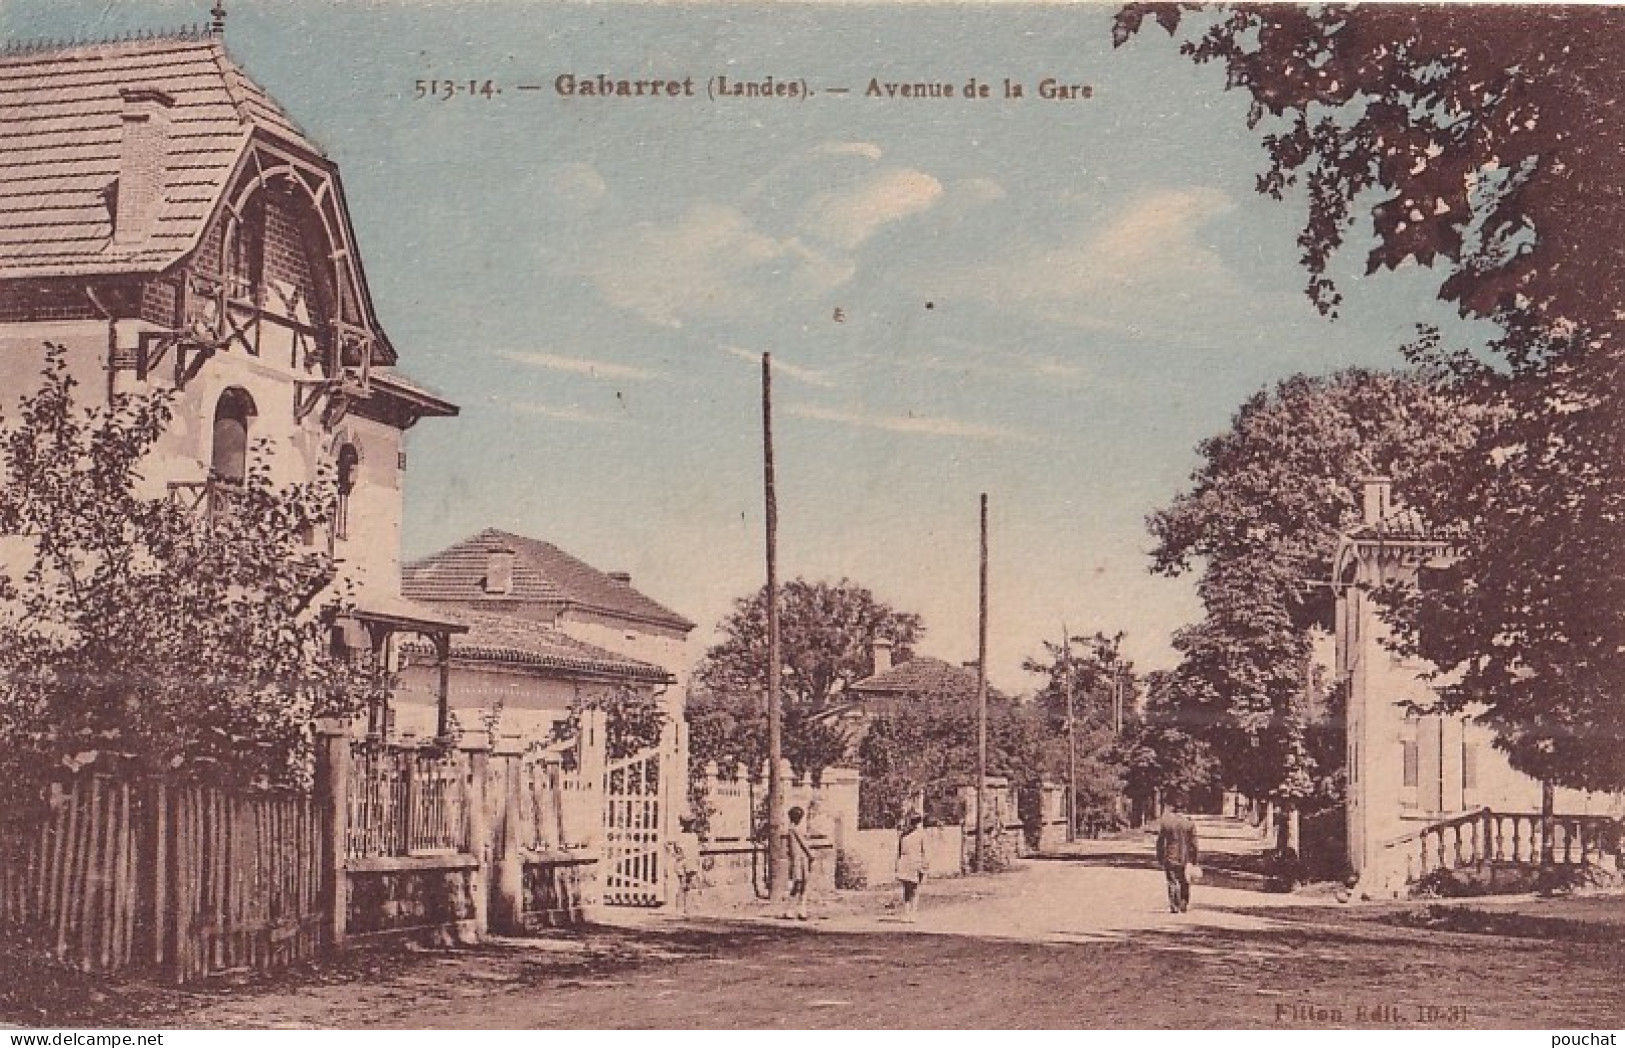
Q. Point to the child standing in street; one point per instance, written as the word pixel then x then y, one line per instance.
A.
pixel 799 864
pixel 911 864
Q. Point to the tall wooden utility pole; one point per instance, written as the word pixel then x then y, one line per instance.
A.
pixel 776 830
pixel 981 706
pixel 1071 739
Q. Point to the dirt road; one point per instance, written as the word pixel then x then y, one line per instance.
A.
pixel 1084 941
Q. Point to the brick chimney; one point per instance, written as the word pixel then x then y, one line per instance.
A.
pixel 1377 498
pixel 880 653
pixel 499 571
pixel 142 147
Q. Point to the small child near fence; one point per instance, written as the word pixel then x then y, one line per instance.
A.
pixel 911 863
pixel 683 873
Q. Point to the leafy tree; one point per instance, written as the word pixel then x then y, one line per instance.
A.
pixel 827 633
pixel 634 719
pixel 1483 142
pixel 1090 667
pixel 1261 521
pixel 1161 752
pixel 732 731
pixel 141 636
pixel 928 748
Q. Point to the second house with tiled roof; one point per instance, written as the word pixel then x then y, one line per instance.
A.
pixel 546 630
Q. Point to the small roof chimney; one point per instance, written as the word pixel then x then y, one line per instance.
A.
pixel 880 654
pixel 499 571
pixel 1376 498
pixel 623 577
pixel 143 144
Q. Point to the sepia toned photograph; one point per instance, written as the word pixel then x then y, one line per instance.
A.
pixel 783 516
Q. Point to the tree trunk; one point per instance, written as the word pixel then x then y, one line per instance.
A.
pixel 1548 827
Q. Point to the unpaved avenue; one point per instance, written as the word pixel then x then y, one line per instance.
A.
pixel 1080 942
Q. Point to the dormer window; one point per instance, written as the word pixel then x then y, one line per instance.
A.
pixel 245 254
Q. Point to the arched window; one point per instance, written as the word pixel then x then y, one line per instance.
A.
pixel 349 469
pixel 228 460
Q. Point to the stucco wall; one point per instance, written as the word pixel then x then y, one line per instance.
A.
pixel 1380 806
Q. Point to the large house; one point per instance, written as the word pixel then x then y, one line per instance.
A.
pixel 1408 770
pixel 545 631
pixel 167 223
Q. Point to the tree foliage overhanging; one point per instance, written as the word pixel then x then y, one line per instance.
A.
pixel 141 636
pixel 1260 521
pixel 1484 142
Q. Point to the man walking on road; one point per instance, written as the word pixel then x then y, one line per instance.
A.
pixel 1176 850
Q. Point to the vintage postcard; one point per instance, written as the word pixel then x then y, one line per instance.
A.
pixel 797 515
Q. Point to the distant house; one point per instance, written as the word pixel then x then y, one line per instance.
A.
pixel 544 630
pixel 891 687
pixel 1407 771
pixel 164 220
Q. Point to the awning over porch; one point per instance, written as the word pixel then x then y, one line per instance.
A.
pixel 382 615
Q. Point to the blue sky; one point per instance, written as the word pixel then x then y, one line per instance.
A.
pixel 1049 301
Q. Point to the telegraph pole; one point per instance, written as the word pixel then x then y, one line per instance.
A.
pixel 1117 697
pixel 776 831
pixel 981 705
pixel 1071 740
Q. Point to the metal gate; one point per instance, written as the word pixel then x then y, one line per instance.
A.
pixel 633 831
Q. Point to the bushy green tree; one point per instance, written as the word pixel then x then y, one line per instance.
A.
pixel 1260 522
pixel 732 731
pixel 1482 142
pixel 827 633
pixel 1104 694
pixel 142 636
pixel 925 748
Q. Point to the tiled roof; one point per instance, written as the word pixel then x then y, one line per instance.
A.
pixel 503 638
pixel 1404 524
pixel 542 574
pixel 924 677
pixel 420 396
pixel 60 131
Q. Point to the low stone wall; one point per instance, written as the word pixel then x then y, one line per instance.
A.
pixel 870 856
pixel 431 895
pixel 556 889
pixel 1050 835
pixel 732 873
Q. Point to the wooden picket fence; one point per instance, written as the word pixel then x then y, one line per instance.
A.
pixel 195 880
pixel 406 801
pixel 244 882
pixel 74 881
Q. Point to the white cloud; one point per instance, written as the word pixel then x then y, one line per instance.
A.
pixel 579 366
pixel 1112 276
pixel 806 376
pixel 867 150
pixel 978 190
pixel 1159 230
pixel 580 183
pixel 853 214
pixel 923 425
pixel 710 262
pixel 568 413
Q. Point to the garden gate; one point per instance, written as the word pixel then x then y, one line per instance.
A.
pixel 633 831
